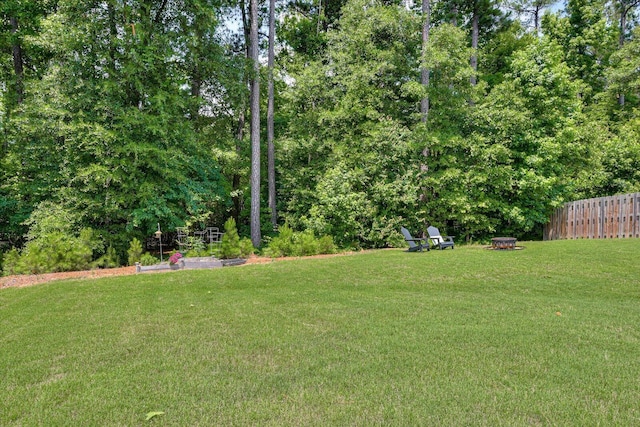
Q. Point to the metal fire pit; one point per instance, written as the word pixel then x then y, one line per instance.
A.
pixel 503 243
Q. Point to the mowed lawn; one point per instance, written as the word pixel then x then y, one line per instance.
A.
pixel 547 335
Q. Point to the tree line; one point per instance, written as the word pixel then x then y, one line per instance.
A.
pixel 474 115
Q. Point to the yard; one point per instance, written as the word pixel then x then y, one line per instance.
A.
pixel 547 335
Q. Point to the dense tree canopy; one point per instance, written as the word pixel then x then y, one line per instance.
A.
pixel 126 114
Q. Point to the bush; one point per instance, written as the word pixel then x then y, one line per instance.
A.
pixel 246 248
pixel 148 259
pixel 134 253
pixel 52 244
pixel 11 263
pixel 305 244
pixel 326 245
pixel 230 245
pixel 196 253
pixel 55 252
pixel 290 243
pixel 281 245
pixel 108 260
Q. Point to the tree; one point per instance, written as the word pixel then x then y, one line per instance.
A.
pixel 623 75
pixel 534 8
pixel 624 8
pixel 348 162
pixel 256 236
pixel 526 136
pixel 270 113
pixel 106 132
pixel 424 72
pixel 587 42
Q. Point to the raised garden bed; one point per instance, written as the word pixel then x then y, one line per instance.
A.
pixel 192 263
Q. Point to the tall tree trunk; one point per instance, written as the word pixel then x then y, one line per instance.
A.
pixel 271 151
pixel 235 181
pixel 426 17
pixel 18 69
pixel 474 43
pixel 256 235
pixel 237 197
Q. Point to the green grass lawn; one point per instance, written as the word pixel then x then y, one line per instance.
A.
pixel 548 335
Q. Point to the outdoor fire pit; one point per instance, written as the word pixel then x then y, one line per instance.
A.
pixel 503 243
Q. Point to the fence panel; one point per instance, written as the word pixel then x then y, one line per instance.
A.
pixel 599 218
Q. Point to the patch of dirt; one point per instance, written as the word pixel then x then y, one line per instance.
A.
pixel 20 281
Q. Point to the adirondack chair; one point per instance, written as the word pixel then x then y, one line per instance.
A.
pixel 415 245
pixel 438 241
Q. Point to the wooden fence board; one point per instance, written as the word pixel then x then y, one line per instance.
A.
pixel 599 218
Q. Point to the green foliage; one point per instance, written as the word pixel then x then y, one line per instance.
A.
pixel 128 115
pixel 519 156
pixel 197 252
pixel 282 244
pixel 148 259
pixel 109 260
pixel 230 245
pixel 290 243
pixel 348 164
pixel 325 245
pixel 11 263
pixel 54 244
pixel 624 76
pixel 118 147
pixel 55 252
pixel 246 247
pixel 134 253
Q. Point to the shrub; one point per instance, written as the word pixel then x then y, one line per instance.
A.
pixel 134 253
pixel 290 243
pixel 214 249
pixel 175 258
pixel 198 247
pixel 282 244
pixel 57 251
pixel 196 253
pixel 148 259
pixel 11 263
pixel 230 245
pixel 109 260
pixel 326 245
pixel 305 244
pixel 246 248
pixel 52 244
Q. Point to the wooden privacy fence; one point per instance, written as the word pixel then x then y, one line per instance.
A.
pixel 600 218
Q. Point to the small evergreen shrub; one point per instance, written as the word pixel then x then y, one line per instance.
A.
pixel 214 249
pixel 230 245
pixel 246 248
pixel 53 244
pixel 134 253
pixel 109 260
pixel 196 253
pixel 282 244
pixel 305 244
pixel 11 263
pixel 55 252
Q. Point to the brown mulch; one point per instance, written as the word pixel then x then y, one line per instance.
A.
pixel 20 281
